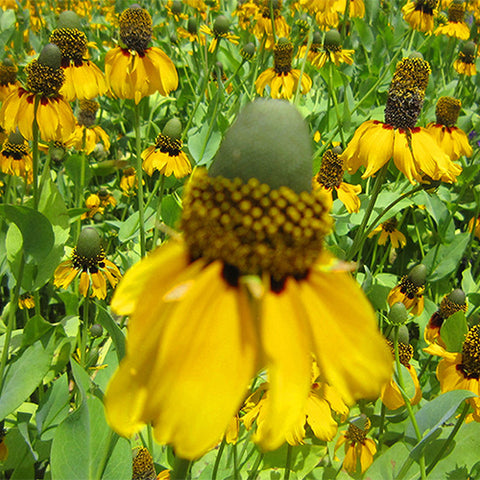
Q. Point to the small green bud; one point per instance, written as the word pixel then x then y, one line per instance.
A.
pixel 89 243
pixel 51 56
pixel 248 50
pixel 96 330
pixel 192 25
pixel 338 150
pixel 469 48
pixel 403 335
pixel 269 141
pixel 173 129
pixel 177 7
pixel 416 55
pixel 418 275
pixel 221 24
pixel 69 19
pixel 317 38
pixel 457 296
pixel 333 38
pixel 15 138
pixel 362 422
pixel 398 314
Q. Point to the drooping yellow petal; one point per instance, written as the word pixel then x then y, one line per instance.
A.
pixel 286 346
pixel 206 359
pixel 350 352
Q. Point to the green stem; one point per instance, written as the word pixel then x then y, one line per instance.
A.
pixel 181 469
pixel 139 171
pixel 360 235
pixel 12 309
pixel 35 153
pixel 256 466
pixel 302 68
pixel 450 438
pixel 158 215
pixel 408 405
pixel 111 441
pixel 84 331
pixel 331 92
pixel 288 463
pixel 217 459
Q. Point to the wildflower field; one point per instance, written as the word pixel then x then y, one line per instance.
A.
pixel 239 240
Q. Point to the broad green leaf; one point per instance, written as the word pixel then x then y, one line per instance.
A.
pixel 129 228
pixel 53 408
pixel 35 328
pixel 37 232
pixel 432 417
pixel 20 460
pixel 203 144
pixel 443 260
pixel 462 456
pixel 85 447
pixel 453 331
pixel 70 456
pixel 74 166
pixel 388 464
pixel 25 374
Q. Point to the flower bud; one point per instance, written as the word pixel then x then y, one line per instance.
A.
pixel 398 314
pixel 269 141
pixel 173 129
pixel 51 56
pixel 89 243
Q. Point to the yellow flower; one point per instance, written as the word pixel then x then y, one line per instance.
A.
pixel 413 149
pixel 166 155
pixel 282 78
pixel 87 135
pixel 15 157
pixel 330 177
pixel 220 30
pixel 26 301
pixel 83 79
pixel 263 24
pixel 467 56
pixel 391 396
pixel 452 140
pixel 250 288
pixel 129 182
pixel 54 115
pixel 191 32
pixel 8 78
pixel 420 14
pixel 88 260
pixel 332 51
pixel 460 370
pixel 143 467
pixel 245 11
pixel 138 71
pixel 474 225
pixel 322 400
pixel 359 450
pixel 451 303
pixel 325 12
pixel 455 25
pixel 387 230
pixel 410 290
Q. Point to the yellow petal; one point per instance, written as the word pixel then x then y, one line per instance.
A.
pixel 350 352
pixel 286 346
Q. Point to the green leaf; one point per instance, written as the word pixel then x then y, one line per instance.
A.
pixel 432 417
pixel 25 374
pixel 73 166
pixel 71 447
pixel 35 328
pixel 37 232
pixel 53 408
pixel 387 465
pixel 443 260
pixel 203 144
pixel 84 447
pixel 453 331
